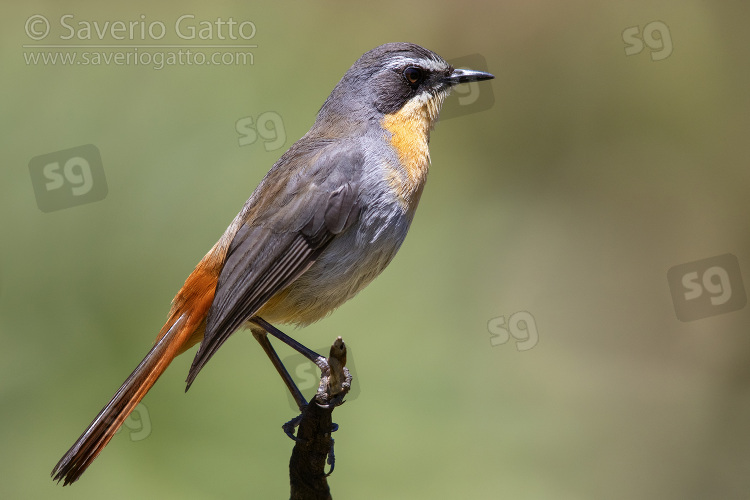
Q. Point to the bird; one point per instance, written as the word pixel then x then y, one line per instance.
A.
pixel 324 222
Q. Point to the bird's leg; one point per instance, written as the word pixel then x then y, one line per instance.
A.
pixel 306 352
pixel 262 339
pixel 335 379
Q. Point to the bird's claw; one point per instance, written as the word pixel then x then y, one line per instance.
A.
pixel 290 426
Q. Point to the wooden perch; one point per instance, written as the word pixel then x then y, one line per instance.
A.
pixel 307 476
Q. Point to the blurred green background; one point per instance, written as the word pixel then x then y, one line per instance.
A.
pixel 592 174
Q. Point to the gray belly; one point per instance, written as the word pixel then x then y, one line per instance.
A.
pixel 350 262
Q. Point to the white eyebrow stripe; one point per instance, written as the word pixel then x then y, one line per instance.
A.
pixel 428 64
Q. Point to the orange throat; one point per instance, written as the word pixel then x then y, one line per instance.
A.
pixel 409 130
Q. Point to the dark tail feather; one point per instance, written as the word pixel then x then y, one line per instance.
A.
pixel 100 431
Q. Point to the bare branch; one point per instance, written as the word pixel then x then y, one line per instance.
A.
pixel 314 444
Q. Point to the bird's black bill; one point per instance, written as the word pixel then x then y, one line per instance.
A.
pixel 467 75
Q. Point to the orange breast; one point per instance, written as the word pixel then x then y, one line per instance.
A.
pixel 410 134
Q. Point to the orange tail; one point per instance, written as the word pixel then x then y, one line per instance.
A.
pixel 183 329
pixel 103 428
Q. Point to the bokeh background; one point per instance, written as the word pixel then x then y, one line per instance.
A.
pixel 599 165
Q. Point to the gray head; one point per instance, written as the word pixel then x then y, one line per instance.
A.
pixel 387 78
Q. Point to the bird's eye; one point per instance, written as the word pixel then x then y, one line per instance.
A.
pixel 413 75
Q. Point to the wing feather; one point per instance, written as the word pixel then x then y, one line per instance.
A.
pixel 276 247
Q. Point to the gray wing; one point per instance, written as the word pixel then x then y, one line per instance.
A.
pixel 286 232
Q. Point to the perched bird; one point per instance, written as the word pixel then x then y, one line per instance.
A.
pixel 323 223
